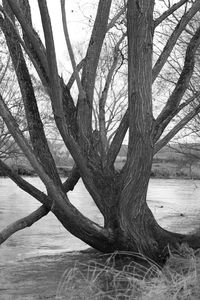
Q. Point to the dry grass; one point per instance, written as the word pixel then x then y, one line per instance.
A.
pixel 179 279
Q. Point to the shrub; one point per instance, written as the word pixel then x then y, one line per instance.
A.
pixel 179 279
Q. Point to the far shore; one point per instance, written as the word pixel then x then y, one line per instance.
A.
pixel 160 170
pixel 153 176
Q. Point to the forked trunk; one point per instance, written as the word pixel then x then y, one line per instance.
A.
pixel 132 224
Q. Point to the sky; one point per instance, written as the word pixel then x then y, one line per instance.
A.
pixel 77 20
pixel 79 13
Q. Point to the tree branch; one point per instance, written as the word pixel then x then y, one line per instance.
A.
pixel 161 143
pixel 169 12
pixel 67 214
pixel 173 39
pixel 167 112
pixel 72 180
pixel 34 58
pixel 56 91
pixel 73 78
pixel 31 34
pixel 89 70
pixel 69 110
pixel 118 139
pixel 55 88
pixel 23 223
pixel 70 50
pixel 116 17
pixel 57 104
pixel 103 98
pixel 43 73
pixel 26 186
pixel 68 103
pixel 175 113
pixel 21 141
pixel 35 125
pixel 5 69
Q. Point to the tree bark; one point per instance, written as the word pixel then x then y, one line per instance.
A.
pixel 135 226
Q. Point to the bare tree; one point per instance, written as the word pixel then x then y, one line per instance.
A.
pixel 120 196
pixel 10 92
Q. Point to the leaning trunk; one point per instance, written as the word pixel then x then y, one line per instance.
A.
pixel 135 217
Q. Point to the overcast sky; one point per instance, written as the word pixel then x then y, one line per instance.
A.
pixel 78 14
pixel 77 20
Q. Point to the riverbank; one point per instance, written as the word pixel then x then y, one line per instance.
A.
pixel 25 170
pixel 160 170
pixel 91 275
pixel 167 164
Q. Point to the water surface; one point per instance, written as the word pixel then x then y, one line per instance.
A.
pixel 175 204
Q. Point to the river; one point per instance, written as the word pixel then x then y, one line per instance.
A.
pixel 175 204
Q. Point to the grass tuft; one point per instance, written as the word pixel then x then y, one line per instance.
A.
pixel 111 278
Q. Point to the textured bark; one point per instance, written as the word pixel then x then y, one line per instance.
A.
pixel 30 34
pixel 23 223
pixel 55 87
pixel 132 203
pixel 118 139
pixel 40 65
pixel 89 73
pixel 135 227
pixel 182 84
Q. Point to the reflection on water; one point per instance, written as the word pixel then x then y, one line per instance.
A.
pixel 175 204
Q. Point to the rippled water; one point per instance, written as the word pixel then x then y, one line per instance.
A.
pixel 175 204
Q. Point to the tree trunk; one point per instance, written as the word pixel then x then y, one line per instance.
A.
pixel 138 229
pixel 126 213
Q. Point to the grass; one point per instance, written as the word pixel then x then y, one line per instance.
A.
pixel 111 278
